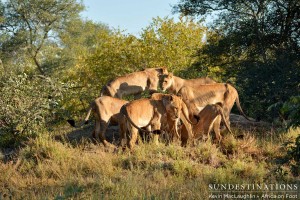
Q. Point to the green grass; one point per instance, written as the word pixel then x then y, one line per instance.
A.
pixel 53 167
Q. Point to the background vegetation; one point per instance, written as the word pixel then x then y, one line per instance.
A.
pixel 53 63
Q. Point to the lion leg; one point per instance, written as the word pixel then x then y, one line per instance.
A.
pixel 174 133
pixel 100 131
pixel 177 135
pixel 227 116
pixel 205 135
pixel 156 132
pixel 122 133
pixel 155 139
pixel 145 137
pixel 169 136
pixel 184 135
pixel 171 132
pixel 216 127
pixel 207 131
pixel 132 137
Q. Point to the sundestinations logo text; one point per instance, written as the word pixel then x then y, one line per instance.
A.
pixel 253 191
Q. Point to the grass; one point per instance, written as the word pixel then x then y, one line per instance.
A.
pixel 57 167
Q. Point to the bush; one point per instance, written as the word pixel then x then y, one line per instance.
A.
pixel 27 105
pixel 291 108
pixel 292 157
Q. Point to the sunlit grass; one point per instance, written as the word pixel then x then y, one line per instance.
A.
pixel 47 168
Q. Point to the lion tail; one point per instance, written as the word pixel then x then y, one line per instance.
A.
pixel 124 112
pixel 220 109
pixel 237 101
pixel 86 120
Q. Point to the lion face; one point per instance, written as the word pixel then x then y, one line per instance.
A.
pixel 173 106
pixel 167 82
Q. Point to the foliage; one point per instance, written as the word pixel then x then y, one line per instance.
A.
pixel 79 39
pixel 253 44
pixel 271 85
pixel 30 26
pixel 293 155
pixel 171 44
pixel 163 43
pixel 291 158
pixel 291 108
pixel 256 26
pixel 27 105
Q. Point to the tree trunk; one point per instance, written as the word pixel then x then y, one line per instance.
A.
pixel 38 65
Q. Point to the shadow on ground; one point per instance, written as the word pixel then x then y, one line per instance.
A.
pixel 85 133
pixel 77 135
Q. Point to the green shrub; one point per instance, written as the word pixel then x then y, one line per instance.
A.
pixel 291 108
pixel 27 105
pixel 292 157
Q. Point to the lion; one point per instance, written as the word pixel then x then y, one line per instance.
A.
pixel 209 118
pixel 106 109
pixel 197 99
pixel 198 96
pixel 173 83
pixel 134 83
pixel 170 120
pixel 150 113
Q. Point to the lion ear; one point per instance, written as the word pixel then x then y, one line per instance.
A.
pixel 162 70
pixel 170 75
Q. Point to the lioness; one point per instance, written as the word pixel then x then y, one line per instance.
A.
pixel 134 83
pixel 105 109
pixel 173 83
pixel 149 113
pixel 199 95
pixel 197 99
pixel 209 118
pixel 170 120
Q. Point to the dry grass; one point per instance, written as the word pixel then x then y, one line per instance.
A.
pixel 47 168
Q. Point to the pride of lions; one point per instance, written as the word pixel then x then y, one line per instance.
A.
pixel 190 111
